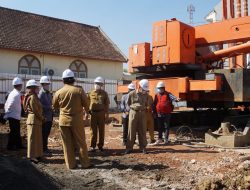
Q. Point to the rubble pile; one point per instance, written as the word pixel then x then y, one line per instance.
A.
pixel 237 178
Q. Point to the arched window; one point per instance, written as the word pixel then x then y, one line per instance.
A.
pixel 79 68
pixel 30 65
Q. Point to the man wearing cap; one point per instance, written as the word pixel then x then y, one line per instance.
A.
pixel 35 119
pixel 99 106
pixel 46 100
pixel 70 100
pixel 13 109
pixel 163 107
pixel 138 102
pixel 125 112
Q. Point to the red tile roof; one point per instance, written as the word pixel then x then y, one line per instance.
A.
pixel 31 32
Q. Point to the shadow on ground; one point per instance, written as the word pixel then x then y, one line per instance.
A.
pixel 116 164
pixel 19 174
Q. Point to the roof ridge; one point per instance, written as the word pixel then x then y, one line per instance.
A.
pixel 51 35
pixel 48 17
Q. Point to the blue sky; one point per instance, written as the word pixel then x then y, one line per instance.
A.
pixel 124 21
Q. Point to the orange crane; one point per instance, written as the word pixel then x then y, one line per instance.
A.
pixel 192 61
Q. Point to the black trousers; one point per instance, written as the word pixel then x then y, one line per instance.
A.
pixel 163 126
pixel 15 141
pixel 125 129
pixel 46 131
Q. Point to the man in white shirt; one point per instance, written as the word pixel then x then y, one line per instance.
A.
pixel 13 110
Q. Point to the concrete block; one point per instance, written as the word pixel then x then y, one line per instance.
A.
pixel 229 141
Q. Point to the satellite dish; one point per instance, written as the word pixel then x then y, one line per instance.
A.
pixel 51 72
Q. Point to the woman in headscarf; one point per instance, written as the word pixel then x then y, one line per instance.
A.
pixel 34 121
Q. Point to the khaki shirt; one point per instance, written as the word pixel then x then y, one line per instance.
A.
pixel 70 100
pixel 99 100
pixel 137 101
pixel 150 104
pixel 33 107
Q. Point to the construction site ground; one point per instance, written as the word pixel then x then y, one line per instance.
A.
pixel 174 166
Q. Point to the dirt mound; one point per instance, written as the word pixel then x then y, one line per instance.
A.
pixel 21 174
pixel 238 179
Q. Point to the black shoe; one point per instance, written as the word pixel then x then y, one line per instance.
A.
pixel 127 152
pixel 39 158
pixel 33 160
pixel 144 151
pixel 101 149
pixel 91 149
pixel 88 167
pixel 47 152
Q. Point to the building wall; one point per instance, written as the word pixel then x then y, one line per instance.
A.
pixel 107 69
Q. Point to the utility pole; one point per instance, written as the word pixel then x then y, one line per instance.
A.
pixel 191 10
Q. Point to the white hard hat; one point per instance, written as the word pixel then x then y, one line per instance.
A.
pixel 31 82
pixel 44 80
pixel 160 84
pixel 99 80
pixel 144 84
pixel 68 74
pixel 131 86
pixel 17 81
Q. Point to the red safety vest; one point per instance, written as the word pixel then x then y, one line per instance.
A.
pixel 164 105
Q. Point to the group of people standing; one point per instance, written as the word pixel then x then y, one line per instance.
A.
pixel 73 105
pixel 139 110
pixel 35 103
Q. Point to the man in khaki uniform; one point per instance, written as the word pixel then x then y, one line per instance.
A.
pixel 150 119
pixel 71 100
pixel 34 121
pixel 99 105
pixel 138 103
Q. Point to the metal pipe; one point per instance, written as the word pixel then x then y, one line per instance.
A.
pixel 238 8
pixel 245 7
pixel 232 15
pixel 232 12
pixel 229 52
pixel 224 8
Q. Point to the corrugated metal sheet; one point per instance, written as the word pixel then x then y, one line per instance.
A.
pixel 56 83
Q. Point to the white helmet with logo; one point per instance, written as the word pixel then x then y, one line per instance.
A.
pixel 160 84
pixel 31 82
pixel 17 81
pixel 99 80
pixel 131 86
pixel 144 84
pixel 44 80
pixel 68 74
